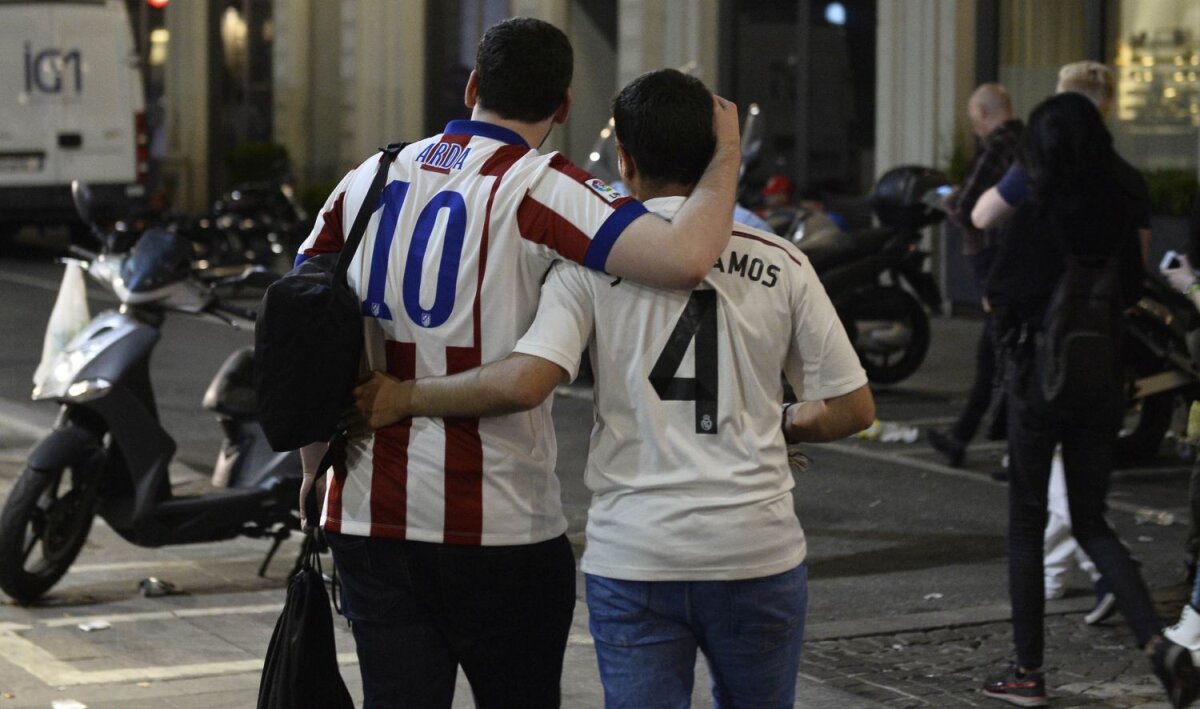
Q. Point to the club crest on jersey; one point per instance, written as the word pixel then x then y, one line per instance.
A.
pixel 443 157
pixel 606 192
pixel 706 423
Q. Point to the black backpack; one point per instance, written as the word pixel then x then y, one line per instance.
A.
pixel 308 339
pixel 1078 348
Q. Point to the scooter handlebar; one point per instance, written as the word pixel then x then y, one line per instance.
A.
pixel 81 253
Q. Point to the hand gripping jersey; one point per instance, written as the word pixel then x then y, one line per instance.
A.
pixel 449 273
pixel 687 460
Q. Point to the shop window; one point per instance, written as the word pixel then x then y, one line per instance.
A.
pixel 1158 84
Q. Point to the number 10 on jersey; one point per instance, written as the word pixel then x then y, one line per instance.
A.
pixel 447 274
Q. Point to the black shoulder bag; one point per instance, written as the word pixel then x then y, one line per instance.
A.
pixel 301 668
pixel 308 339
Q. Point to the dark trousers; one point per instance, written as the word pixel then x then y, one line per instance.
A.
pixel 979 399
pixel 1088 435
pixel 419 610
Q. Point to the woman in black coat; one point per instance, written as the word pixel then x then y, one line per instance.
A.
pixel 1082 202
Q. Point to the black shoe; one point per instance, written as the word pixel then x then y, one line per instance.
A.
pixel 1106 604
pixel 947 445
pixel 1026 689
pixel 1173 666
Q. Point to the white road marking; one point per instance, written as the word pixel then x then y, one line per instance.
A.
pixel 56 673
pixel 152 564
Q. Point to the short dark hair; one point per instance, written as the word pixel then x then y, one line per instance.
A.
pixel 664 121
pixel 524 67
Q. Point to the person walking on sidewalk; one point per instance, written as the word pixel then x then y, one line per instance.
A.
pixel 1078 204
pixel 692 536
pixel 1182 277
pixel 990 112
pixel 449 535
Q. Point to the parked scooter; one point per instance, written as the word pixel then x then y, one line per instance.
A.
pixel 876 277
pixel 108 453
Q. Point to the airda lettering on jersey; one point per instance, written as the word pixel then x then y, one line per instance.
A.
pixel 443 157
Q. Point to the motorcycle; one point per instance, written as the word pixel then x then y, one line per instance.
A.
pixel 876 277
pixel 263 222
pixel 108 454
pixel 1160 371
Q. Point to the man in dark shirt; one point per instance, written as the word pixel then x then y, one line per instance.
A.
pixel 1095 81
pixel 991 115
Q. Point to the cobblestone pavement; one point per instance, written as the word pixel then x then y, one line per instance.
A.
pixel 1086 666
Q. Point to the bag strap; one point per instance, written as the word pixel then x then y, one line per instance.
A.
pixel 364 213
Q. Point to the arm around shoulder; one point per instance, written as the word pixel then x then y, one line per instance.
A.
pixel 518 382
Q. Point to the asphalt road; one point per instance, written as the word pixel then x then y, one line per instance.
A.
pixel 895 538
pixel 877 514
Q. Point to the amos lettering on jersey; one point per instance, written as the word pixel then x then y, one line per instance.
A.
pixel 755 268
pixel 444 156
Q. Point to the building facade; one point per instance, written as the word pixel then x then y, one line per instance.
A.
pixel 846 89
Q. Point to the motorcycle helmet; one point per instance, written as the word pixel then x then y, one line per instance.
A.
pixel 897 197
pixel 157 260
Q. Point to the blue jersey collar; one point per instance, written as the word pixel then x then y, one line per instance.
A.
pixel 484 130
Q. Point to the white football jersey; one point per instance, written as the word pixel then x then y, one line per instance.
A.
pixel 449 272
pixel 687 460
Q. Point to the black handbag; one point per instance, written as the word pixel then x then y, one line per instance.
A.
pixel 308 339
pixel 301 669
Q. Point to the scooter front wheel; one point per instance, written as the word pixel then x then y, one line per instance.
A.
pixel 45 521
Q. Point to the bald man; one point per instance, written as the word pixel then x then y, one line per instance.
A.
pixel 1095 81
pixel 990 112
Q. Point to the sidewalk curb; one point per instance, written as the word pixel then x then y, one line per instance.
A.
pixel 959 617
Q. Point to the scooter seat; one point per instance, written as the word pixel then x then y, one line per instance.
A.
pixel 826 250
pixel 231 392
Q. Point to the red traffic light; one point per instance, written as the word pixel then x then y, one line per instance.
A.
pixel 157 4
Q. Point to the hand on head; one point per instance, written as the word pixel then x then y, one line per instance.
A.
pixel 725 124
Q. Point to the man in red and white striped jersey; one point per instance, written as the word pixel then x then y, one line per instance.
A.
pixel 692 536
pixel 449 533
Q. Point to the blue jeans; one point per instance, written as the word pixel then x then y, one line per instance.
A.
pixel 419 611
pixel 647 634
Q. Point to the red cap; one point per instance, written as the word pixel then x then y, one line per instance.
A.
pixel 777 184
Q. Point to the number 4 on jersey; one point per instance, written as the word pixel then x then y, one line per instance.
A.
pixel 698 322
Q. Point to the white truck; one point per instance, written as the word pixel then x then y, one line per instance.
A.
pixel 71 107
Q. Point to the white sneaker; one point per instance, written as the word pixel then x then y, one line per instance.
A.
pixel 1187 631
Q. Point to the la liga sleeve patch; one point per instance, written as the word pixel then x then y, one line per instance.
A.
pixel 603 189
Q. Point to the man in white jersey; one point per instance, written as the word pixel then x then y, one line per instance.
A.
pixel 692 536
pixel 449 533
